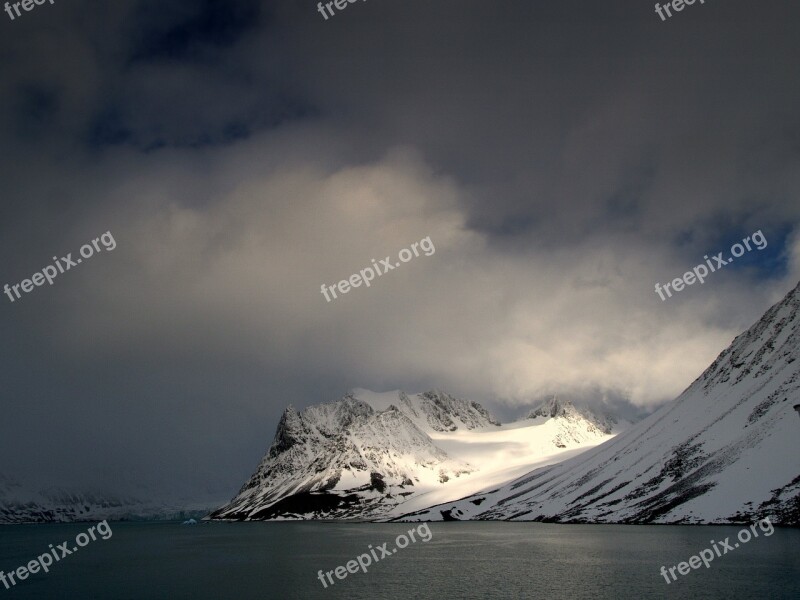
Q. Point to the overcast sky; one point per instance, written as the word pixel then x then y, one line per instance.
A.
pixel 563 157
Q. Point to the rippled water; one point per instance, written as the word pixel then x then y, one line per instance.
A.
pixel 461 560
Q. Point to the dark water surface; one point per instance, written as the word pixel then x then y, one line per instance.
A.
pixel 461 560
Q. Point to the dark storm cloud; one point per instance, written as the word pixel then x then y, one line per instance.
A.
pixel 563 156
pixel 190 30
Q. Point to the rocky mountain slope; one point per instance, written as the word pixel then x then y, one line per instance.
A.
pixel 726 450
pixel 372 455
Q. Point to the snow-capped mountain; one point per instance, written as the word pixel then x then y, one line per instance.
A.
pixel 340 458
pixel 372 455
pixel 571 420
pixel 726 450
pixel 20 504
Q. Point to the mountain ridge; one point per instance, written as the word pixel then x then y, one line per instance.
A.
pixel 724 451
pixel 369 453
pixel 20 504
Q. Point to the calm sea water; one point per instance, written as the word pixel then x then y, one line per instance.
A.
pixel 462 560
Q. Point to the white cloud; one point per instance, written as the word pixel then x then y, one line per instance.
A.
pixel 242 276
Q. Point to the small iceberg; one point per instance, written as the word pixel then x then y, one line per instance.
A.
pixel 189 522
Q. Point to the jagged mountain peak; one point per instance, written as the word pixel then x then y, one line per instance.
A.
pixel 289 428
pixel 564 408
pixel 554 407
pixel 328 454
pixel 434 410
pixel 368 453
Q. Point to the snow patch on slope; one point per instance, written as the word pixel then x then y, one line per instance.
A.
pixel 724 451
pixel 372 455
